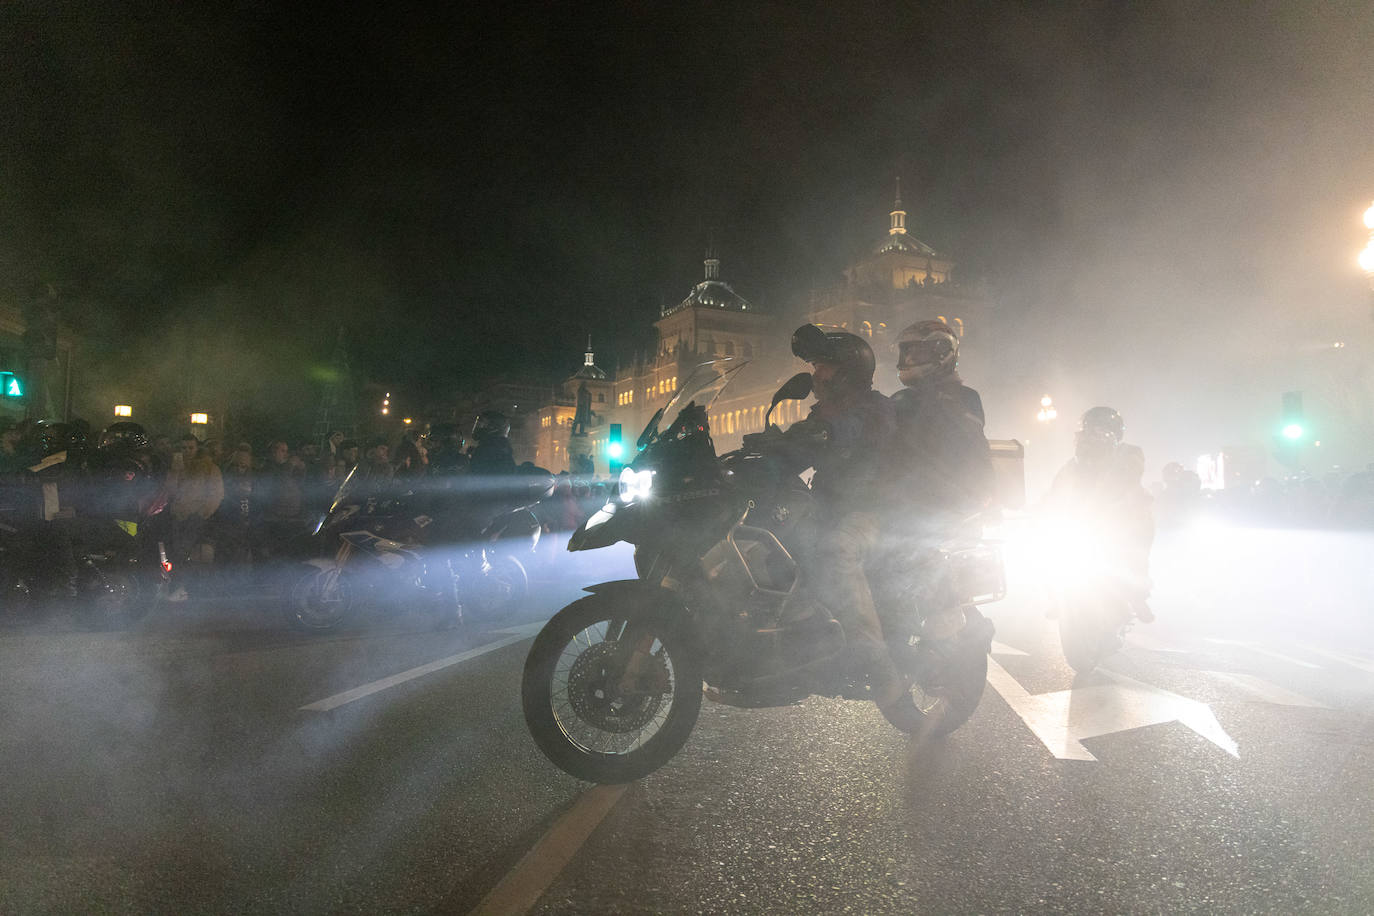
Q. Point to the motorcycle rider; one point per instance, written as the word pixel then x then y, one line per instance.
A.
pixel 842 439
pixel 1102 479
pixel 492 453
pixel 937 465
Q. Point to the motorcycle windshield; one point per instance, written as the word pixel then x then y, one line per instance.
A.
pixel 702 386
pixel 345 493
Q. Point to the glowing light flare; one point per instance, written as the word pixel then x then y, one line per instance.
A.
pixel 615 450
pixel 1367 258
pixel 1369 217
pixel 407 421
pixel 1293 431
pixel 123 410
pixel 635 485
pixel 1047 411
pixel 200 419
pixel 386 410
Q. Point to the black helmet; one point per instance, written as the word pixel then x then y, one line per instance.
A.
pixel 490 424
pixel 926 349
pixel 1104 422
pixel 849 353
pixel 125 434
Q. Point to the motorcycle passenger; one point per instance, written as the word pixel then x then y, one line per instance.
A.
pixel 843 437
pixel 937 464
pixel 1103 480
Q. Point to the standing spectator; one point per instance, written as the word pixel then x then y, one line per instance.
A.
pixel 412 458
pixel 333 447
pixel 348 453
pixel 238 513
pixel 196 495
pixel 282 498
pixel 214 448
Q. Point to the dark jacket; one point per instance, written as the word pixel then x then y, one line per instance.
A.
pixel 937 468
pixel 844 443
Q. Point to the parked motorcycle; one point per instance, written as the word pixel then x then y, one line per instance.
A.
pixel 613 684
pixel 385 550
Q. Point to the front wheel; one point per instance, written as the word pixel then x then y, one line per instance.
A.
pixel 610 690
pixel 321 599
pixel 948 690
pixel 1088 634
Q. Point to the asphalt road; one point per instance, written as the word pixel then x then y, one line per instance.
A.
pixel 1222 762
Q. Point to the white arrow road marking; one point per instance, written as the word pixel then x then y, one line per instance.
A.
pixel 1262 650
pixel 513 635
pixel 1353 661
pixel 1000 649
pixel 1269 693
pixel 1065 718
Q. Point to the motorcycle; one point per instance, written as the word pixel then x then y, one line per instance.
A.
pixel 1090 587
pixel 121 567
pixel 613 683
pixel 382 550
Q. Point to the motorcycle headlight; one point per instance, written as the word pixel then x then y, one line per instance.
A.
pixel 635 485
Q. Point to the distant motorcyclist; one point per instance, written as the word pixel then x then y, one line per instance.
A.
pixel 1102 480
pixel 937 466
pixel 842 439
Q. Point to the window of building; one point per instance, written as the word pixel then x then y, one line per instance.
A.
pixel 866 328
pixel 600 397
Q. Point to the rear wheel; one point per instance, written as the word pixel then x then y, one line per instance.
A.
pixel 945 697
pixel 114 598
pixel 499 591
pixel 611 691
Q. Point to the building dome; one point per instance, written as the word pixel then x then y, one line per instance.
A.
pixel 712 292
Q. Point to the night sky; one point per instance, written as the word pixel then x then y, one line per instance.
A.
pixel 464 188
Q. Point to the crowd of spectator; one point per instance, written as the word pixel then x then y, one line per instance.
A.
pixel 1341 500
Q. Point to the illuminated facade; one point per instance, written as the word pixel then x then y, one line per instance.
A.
pixel 902 281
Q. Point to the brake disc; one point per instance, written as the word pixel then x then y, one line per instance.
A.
pixel 595 695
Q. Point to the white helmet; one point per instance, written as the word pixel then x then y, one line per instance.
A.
pixel 926 349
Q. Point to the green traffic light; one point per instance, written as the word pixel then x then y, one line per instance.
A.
pixel 615 450
pixel 13 388
pixel 1293 431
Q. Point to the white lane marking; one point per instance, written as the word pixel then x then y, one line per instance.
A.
pixel 1064 719
pixel 1262 650
pixel 1153 644
pixel 522 887
pixel 1269 693
pixel 1354 661
pixel 1002 649
pixel 514 634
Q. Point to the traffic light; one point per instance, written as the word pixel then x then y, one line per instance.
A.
pixel 1292 425
pixel 11 385
pixel 615 449
pixel 1292 432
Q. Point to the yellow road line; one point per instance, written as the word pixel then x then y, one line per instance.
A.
pixel 524 884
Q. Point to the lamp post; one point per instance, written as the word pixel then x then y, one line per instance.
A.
pixel 1047 411
pixel 1367 255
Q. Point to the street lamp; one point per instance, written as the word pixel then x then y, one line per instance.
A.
pixel 1047 411
pixel 1367 256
